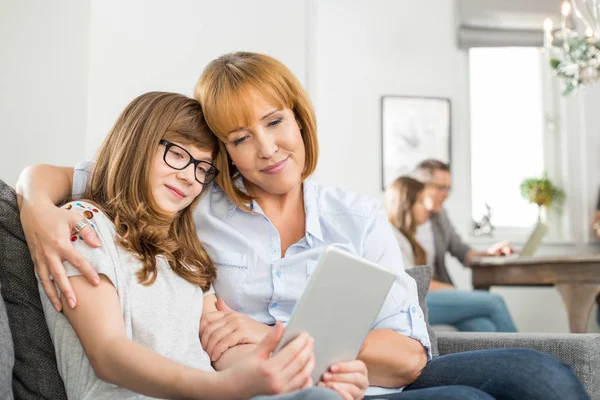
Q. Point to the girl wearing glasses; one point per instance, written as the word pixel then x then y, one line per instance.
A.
pixel 265 224
pixel 136 332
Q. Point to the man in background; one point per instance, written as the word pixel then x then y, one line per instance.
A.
pixel 438 236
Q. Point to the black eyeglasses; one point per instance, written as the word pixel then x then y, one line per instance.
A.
pixel 179 158
pixel 442 188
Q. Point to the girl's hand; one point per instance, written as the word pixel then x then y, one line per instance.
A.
pixel 350 379
pixel 262 373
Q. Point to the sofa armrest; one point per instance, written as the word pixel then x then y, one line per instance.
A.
pixel 580 351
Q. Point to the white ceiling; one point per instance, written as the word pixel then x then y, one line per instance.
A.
pixel 515 14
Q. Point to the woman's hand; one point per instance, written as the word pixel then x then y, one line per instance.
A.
pixel 263 373
pixel 225 328
pixel 48 230
pixel 350 379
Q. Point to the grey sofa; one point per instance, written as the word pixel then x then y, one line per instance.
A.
pixel 7 354
pixel 580 351
pixel 35 373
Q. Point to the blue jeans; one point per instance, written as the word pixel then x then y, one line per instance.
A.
pixel 502 374
pixel 469 311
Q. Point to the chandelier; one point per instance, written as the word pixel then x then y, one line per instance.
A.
pixel 576 58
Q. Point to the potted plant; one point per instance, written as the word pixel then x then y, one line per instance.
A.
pixel 543 192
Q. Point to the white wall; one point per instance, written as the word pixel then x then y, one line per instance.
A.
pixel 138 46
pixel 43 89
pixel 366 50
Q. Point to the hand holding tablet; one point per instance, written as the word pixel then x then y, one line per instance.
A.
pixel 338 307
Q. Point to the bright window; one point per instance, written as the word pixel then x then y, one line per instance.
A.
pixel 507 131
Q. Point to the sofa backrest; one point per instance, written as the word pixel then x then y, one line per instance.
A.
pixel 422 275
pixel 35 374
pixel 7 354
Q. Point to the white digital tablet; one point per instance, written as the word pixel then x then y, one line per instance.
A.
pixel 338 307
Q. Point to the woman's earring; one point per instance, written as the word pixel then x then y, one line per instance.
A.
pixel 299 124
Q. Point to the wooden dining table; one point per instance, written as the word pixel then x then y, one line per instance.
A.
pixel 577 279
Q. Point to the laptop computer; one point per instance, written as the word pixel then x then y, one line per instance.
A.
pixel 534 240
pixel 533 243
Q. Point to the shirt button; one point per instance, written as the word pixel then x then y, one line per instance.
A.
pixel 278 274
pixel 413 309
pixel 274 305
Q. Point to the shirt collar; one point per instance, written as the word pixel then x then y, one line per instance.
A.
pixel 311 207
pixel 238 182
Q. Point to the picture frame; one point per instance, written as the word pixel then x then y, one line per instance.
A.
pixel 413 129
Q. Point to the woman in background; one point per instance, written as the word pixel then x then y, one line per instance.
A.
pixel 470 311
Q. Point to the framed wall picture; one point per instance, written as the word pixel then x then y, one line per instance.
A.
pixel 413 129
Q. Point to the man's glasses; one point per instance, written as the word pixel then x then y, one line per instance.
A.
pixel 441 188
pixel 179 158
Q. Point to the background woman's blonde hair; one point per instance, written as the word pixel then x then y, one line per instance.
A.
pixel 399 199
pixel 119 185
pixel 226 90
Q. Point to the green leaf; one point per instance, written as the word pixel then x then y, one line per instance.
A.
pixel 554 63
pixel 569 87
pixel 541 191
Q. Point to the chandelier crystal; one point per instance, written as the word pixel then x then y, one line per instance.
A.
pixel 577 57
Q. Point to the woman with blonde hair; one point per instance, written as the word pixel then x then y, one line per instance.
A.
pixel 470 311
pixel 266 223
pixel 135 334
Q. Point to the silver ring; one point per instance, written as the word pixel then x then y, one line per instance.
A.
pixel 80 225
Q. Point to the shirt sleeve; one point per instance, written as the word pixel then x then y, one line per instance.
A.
pixel 211 290
pixel 81 175
pixel 103 258
pixel 400 311
pixel 456 246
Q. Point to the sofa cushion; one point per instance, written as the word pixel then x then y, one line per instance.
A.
pixel 7 354
pixel 422 275
pixel 35 374
pixel 578 350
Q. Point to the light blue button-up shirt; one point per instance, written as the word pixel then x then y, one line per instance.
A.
pixel 254 278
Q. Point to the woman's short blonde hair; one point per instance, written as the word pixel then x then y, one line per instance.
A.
pixel 226 90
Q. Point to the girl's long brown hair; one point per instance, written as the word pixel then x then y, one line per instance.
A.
pixel 119 185
pixel 400 197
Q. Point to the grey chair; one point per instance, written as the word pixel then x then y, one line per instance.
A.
pixel 580 351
